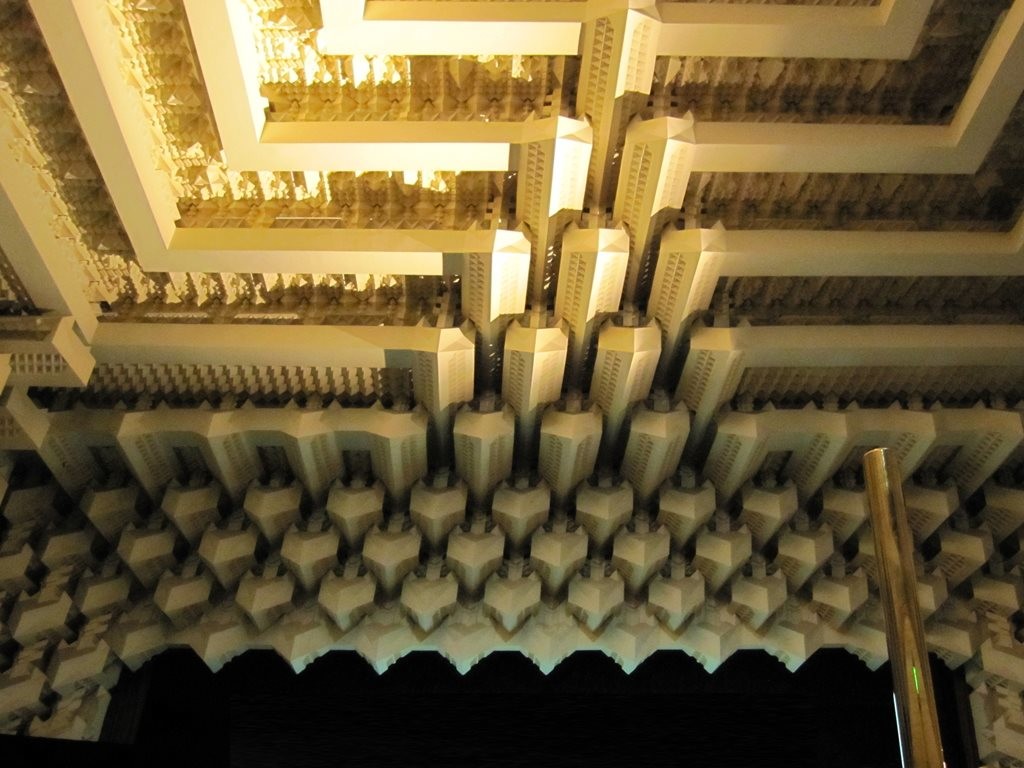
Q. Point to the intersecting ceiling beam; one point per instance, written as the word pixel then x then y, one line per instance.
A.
pixel 888 30
pixel 83 44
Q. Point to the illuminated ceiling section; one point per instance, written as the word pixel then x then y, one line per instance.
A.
pixel 603 298
pixel 227 51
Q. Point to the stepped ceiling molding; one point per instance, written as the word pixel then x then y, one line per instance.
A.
pixel 220 76
pixel 477 325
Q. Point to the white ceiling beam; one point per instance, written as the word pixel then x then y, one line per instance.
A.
pixel 959 147
pixel 84 46
pixel 889 30
pixel 33 236
pixel 111 116
pixel 786 253
pixel 263 345
pixel 832 346
pixel 467 29
pixel 225 45
pixel 332 251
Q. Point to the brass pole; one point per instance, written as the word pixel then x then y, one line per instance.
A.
pixel 916 714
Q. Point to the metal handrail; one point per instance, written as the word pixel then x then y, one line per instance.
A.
pixel 916 714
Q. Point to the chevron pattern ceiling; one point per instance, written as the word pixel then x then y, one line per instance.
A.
pixel 532 325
